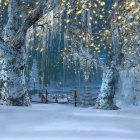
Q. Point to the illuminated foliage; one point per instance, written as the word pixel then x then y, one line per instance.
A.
pixel 86 27
pixel 127 17
pixel 86 22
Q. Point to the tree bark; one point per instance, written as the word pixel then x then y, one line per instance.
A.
pixel 107 91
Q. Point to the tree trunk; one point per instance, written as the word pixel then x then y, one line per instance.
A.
pixel 110 75
pixel 107 91
pixel 14 91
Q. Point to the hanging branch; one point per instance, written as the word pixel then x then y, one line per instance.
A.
pixel 34 16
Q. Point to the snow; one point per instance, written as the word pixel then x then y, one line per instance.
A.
pixel 65 122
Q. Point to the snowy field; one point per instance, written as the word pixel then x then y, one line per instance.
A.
pixel 64 122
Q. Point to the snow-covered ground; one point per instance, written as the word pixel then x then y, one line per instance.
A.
pixel 64 122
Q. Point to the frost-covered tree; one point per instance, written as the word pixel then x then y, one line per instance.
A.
pixel 126 16
pixel 87 35
pixel 13 52
pixel 125 41
pixel 89 42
